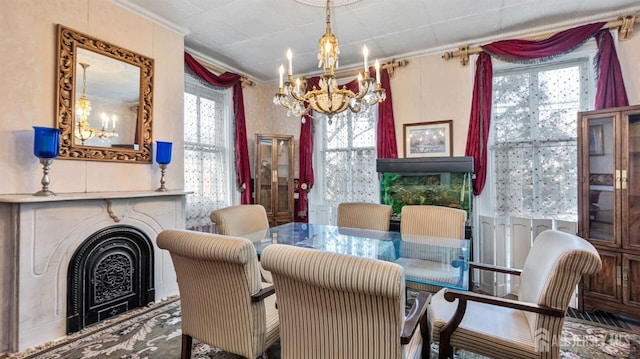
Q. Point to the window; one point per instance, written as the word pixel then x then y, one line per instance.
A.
pixel 345 161
pixel 534 132
pixel 207 164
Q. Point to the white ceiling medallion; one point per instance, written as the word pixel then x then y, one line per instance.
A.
pixel 322 3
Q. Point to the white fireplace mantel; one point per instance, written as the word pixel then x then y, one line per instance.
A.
pixel 38 237
pixel 64 197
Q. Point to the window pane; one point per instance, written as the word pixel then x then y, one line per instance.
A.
pixel 534 129
pixel 190 117
pixel 364 131
pixel 205 172
pixel 511 119
pixel 208 128
pixel 338 132
pixel 348 159
pixel 559 102
pixel 336 181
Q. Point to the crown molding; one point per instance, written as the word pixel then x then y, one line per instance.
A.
pixel 151 16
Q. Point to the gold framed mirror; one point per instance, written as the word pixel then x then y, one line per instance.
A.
pixel 104 100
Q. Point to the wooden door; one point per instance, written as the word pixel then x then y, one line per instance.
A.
pixel 605 286
pixel 631 281
pixel 630 179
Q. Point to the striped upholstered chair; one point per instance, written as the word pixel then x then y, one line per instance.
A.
pixel 436 221
pixel 340 306
pixel 223 301
pixel 364 215
pixel 529 327
pixel 240 220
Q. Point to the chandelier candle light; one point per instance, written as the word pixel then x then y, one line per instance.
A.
pixel 163 157
pixel 329 99
pixel 83 131
pixel 46 144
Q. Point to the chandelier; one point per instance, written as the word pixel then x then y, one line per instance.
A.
pixel 329 99
pixel 83 131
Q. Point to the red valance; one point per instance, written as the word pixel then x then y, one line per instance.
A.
pixel 610 87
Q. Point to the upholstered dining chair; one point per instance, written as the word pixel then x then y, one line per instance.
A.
pixel 223 301
pixel 427 220
pixel 529 327
pixel 340 306
pixel 437 221
pixel 364 215
pixel 240 220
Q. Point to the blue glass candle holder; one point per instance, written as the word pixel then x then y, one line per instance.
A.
pixel 163 158
pixel 46 145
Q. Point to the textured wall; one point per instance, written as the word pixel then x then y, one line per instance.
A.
pixel 266 118
pixel 29 70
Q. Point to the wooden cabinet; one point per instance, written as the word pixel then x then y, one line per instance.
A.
pixel 609 207
pixel 274 177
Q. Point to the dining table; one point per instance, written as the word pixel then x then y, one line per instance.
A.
pixel 438 261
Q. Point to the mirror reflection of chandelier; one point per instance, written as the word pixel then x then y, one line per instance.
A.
pixel 83 131
pixel 329 99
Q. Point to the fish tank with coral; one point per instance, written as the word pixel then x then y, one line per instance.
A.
pixel 439 181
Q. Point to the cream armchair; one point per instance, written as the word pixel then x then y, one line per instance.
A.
pixel 240 220
pixel 364 215
pixel 435 221
pixel 529 327
pixel 340 306
pixel 223 301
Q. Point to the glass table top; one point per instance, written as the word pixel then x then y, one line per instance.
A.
pixel 429 260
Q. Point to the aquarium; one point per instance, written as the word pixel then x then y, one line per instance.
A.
pixel 440 181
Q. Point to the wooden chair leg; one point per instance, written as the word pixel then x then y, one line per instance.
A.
pixel 187 342
pixel 425 330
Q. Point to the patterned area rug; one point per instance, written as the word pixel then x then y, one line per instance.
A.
pixel 154 332
pixel 598 316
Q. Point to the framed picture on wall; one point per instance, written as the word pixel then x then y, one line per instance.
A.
pixel 428 139
pixel 596 142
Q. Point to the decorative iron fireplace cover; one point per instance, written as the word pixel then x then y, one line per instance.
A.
pixel 109 274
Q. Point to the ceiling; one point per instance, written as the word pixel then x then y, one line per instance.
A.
pixel 251 37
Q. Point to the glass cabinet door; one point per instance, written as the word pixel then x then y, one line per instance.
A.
pixel 630 180
pixel 283 175
pixel 274 177
pixel 599 178
pixel 265 171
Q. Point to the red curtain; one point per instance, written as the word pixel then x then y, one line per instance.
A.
pixel 562 42
pixel 513 51
pixel 610 89
pixel 480 120
pixel 305 155
pixel 386 135
pixel 229 79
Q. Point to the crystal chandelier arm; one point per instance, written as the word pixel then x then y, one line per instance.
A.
pixel 329 98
